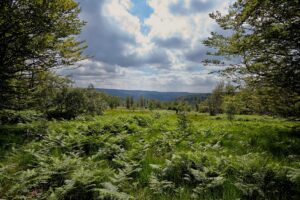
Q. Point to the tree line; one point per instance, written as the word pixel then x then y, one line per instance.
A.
pixel 260 57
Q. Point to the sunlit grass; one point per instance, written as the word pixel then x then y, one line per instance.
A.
pixel 148 155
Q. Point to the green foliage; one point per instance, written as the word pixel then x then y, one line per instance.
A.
pixel 154 104
pixel 71 102
pixel 35 37
pixel 183 121
pixel 142 102
pixel 215 100
pixel 14 117
pixel 230 108
pixel 263 35
pixel 179 106
pixel 129 102
pixel 113 102
pixel 137 155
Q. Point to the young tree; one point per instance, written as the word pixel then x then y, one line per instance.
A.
pixel 265 36
pixel 75 103
pixel 35 36
pixel 197 107
pixel 113 101
pixel 96 102
pixel 129 102
pixel 142 102
pixel 230 108
pixel 70 102
pixel 151 104
pixel 215 100
pixel 45 93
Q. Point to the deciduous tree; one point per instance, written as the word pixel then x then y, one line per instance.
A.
pixel 35 35
pixel 265 38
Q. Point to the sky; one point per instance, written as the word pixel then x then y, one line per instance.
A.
pixel 151 45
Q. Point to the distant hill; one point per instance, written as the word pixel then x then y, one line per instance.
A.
pixel 162 96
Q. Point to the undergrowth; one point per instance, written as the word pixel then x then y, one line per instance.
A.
pixel 151 155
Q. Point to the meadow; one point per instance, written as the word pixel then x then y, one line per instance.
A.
pixel 126 154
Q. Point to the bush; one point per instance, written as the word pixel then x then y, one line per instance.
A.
pixel 72 102
pixel 230 110
pixel 183 121
pixel 142 121
pixel 182 171
pixel 13 116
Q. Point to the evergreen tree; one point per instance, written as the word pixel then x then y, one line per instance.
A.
pixel 127 102
pixel 35 36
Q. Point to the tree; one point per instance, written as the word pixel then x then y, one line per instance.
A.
pixel 96 102
pixel 215 100
pixel 129 102
pixel 230 108
pixel 265 36
pixel 70 102
pixel 142 102
pixel 113 101
pixel 75 103
pixel 45 93
pixel 203 106
pixel 197 107
pixel 35 36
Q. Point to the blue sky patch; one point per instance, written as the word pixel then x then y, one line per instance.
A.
pixel 142 10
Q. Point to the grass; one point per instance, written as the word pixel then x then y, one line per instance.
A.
pixel 151 155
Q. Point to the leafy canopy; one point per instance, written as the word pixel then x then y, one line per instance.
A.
pixel 263 49
pixel 265 36
pixel 35 36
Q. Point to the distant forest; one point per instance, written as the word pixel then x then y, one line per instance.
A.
pixel 62 142
pixel 264 37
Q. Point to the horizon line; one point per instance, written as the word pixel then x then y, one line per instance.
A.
pixel 152 90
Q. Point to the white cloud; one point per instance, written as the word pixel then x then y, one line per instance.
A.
pixel 163 24
pixel 102 75
pixel 118 12
pixel 168 58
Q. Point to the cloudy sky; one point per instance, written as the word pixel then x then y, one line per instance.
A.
pixel 147 44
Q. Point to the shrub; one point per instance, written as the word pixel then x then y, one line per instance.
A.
pixel 182 171
pixel 230 110
pixel 13 116
pixel 142 121
pixel 120 126
pixel 156 115
pixel 72 102
pixel 182 120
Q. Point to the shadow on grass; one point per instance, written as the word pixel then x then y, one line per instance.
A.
pixel 280 143
pixel 12 136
